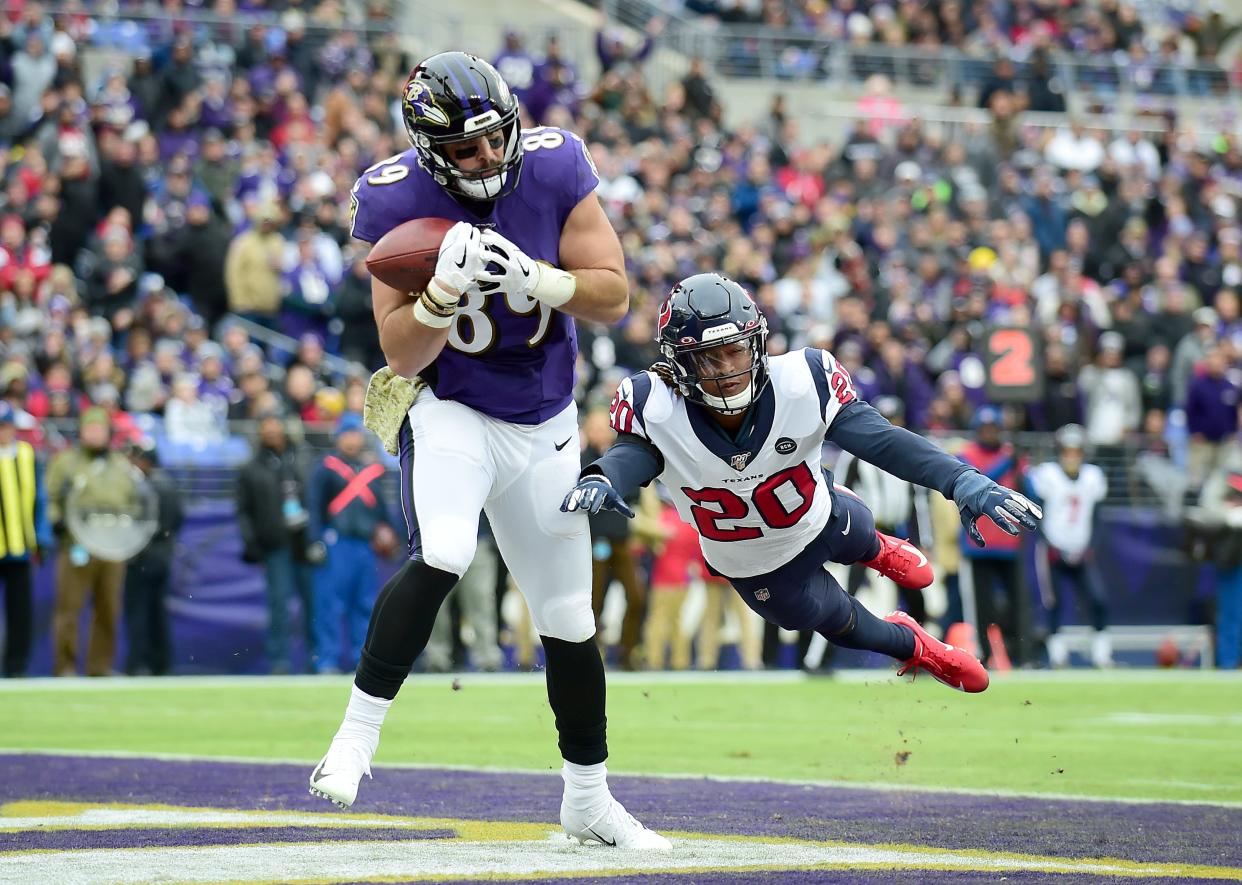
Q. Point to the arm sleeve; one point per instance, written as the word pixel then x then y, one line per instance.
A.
pixel 629 464
pixel 861 430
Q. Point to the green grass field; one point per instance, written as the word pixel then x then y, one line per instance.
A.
pixel 1141 735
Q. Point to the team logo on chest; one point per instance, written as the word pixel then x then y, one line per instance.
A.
pixel 740 460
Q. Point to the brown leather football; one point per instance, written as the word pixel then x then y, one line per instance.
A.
pixel 405 257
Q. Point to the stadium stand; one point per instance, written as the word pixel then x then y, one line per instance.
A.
pixel 174 220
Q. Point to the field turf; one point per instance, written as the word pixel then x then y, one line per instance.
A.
pixel 1141 735
pixel 1074 777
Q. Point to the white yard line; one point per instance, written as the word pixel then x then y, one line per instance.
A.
pixel 352 861
pixel 877 786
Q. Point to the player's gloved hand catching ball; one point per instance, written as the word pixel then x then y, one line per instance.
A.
pixel 593 494
pixel 977 496
pixel 512 271
pixel 457 268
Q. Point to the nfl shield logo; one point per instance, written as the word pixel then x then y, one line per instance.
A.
pixel 762 594
pixel 740 460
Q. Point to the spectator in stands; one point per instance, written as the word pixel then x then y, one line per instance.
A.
pixel 998 565
pixel 25 534
pixel 1114 405
pixel 272 517
pixel 188 420
pixel 345 507
pixel 101 479
pixel 1190 351
pixel 1211 415
pixel 201 250
pixel 148 576
pixel 253 266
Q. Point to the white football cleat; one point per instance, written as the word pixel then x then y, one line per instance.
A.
pixel 612 826
pixel 338 774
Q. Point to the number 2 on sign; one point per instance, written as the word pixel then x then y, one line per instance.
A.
pixel 1014 365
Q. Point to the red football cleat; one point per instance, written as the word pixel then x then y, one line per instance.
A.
pixel 902 562
pixel 954 667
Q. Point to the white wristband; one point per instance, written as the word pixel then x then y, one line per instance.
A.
pixel 441 298
pixel 427 318
pixel 554 286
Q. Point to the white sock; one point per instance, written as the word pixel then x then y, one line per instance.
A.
pixel 585 785
pixel 363 717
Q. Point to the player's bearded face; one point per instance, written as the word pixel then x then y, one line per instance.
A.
pixel 725 371
pixel 478 157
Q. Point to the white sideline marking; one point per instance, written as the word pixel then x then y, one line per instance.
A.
pixel 876 786
pixel 688 677
pixel 456 858
pixel 148 817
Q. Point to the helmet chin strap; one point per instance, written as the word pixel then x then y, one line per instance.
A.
pixel 482 188
pixel 727 406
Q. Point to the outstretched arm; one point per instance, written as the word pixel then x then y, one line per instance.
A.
pixel 862 431
pixel 630 463
pixel 605 483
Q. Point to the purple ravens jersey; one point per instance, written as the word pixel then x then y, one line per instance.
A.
pixel 509 357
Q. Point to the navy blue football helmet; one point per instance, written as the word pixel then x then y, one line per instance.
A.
pixel 702 313
pixel 454 96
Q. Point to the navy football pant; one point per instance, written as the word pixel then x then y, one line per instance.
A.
pixel 802 595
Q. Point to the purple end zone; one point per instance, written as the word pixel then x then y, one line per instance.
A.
pixel 834 876
pixel 178 837
pixel 1146 833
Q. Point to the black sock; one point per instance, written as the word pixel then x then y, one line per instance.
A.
pixel 865 631
pixel 401 622
pixel 576 691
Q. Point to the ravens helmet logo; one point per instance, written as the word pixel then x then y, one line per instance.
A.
pixel 423 105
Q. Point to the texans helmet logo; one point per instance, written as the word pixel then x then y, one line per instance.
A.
pixel 422 105
pixel 666 314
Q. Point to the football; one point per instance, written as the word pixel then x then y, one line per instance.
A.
pixel 405 257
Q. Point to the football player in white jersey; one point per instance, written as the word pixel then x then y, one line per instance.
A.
pixel 736 438
pixel 1070 489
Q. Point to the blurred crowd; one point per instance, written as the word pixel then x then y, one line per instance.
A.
pixel 174 192
pixel 1117 44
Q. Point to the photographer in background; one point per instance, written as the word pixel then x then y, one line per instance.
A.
pixel 149 574
pixel 272 517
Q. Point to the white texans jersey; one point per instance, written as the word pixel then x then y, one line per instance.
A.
pixel 759 502
pixel 1069 504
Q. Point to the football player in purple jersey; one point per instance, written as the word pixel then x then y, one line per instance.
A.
pixel 496 427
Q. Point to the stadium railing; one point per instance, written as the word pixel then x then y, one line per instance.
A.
pixel 791 54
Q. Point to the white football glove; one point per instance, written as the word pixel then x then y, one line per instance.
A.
pixel 517 273
pixel 460 261
pixel 457 268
